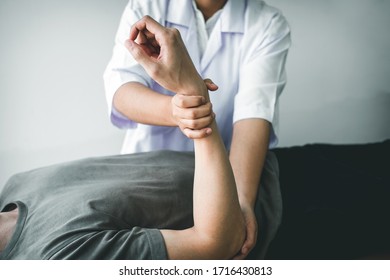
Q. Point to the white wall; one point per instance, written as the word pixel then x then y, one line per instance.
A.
pixel 338 87
pixel 53 53
pixel 52 104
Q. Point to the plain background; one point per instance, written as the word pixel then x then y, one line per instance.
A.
pixel 53 54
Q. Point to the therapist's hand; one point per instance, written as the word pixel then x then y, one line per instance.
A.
pixel 251 231
pixel 193 114
pixel 163 55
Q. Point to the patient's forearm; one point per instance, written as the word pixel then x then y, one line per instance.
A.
pixel 218 230
pixel 216 208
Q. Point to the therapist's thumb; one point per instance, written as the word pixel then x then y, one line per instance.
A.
pixel 138 53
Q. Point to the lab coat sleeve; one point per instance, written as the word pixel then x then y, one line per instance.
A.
pixel 262 73
pixel 122 67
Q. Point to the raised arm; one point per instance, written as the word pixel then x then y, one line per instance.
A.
pixel 141 104
pixel 218 231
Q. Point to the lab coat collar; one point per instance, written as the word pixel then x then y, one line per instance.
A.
pixel 232 17
pixel 184 17
pixel 231 20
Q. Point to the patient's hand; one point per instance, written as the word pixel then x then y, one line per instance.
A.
pixel 163 55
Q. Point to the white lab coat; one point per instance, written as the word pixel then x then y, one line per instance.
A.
pixel 245 56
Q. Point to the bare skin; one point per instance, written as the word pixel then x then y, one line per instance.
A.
pixel 247 164
pixel 209 7
pixel 143 105
pixel 219 230
pixel 7 226
pixel 250 138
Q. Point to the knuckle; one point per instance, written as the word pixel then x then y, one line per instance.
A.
pixel 192 124
pixel 174 31
pixel 146 18
pixel 192 114
pixel 178 100
pixel 175 114
pixel 172 34
pixel 181 102
pixel 173 100
pixel 198 100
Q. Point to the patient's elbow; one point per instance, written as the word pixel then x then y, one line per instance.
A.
pixel 225 245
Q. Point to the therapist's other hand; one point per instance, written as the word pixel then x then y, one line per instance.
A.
pixel 163 55
pixel 251 231
pixel 193 114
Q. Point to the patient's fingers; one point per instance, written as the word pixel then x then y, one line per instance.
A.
pixel 143 36
pixel 140 54
pixel 151 38
pixel 148 43
pixel 146 38
pixel 146 23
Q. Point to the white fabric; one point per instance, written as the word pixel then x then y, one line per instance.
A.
pixel 204 28
pixel 244 55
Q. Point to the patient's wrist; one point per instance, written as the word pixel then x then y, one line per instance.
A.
pixel 198 88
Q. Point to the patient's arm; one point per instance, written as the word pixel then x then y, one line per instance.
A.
pixel 218 231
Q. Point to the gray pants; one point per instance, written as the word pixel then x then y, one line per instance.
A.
pixel 268 207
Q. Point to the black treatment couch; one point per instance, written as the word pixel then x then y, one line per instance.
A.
pixel 336 202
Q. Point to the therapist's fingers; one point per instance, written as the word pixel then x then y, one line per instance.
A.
pixel 210 85
pixel 251 232
pixel 193 113
pixel 188 101
pixel 199 123
pixel 197 134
